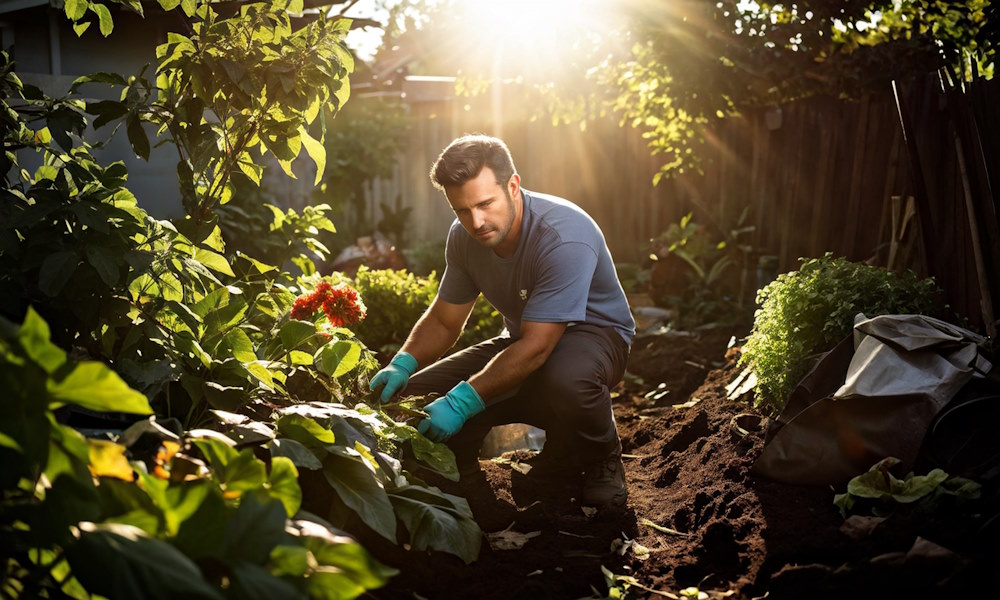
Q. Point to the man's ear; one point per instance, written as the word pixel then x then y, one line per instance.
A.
pixel 514 185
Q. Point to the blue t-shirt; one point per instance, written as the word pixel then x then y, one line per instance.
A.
pixel 561 272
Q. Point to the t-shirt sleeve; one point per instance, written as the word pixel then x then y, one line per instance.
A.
pixel 456 285
pixel 563 284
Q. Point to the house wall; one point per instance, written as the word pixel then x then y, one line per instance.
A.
pixel 131 44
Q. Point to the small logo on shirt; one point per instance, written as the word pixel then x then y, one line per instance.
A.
pixel 524 294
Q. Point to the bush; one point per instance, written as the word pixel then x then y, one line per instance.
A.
pixel 806 312
pixel 397 298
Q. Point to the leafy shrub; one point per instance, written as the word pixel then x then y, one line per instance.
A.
pixel 701 272
pixel 806 312
pixel 396 299
pixel 198 518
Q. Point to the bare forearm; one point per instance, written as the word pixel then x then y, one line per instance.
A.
pixel 508 369
pixel 429 339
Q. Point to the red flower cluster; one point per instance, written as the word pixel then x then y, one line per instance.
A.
pixel 341 305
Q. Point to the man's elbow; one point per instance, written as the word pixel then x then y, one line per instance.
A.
pixel 537 355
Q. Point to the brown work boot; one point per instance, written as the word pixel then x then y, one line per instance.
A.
pixel 604 483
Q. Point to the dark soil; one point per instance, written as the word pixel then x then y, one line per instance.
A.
pixel 722 529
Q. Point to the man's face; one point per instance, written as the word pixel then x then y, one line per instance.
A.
pixel 486 209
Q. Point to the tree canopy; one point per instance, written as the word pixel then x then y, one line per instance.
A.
pixel 674 68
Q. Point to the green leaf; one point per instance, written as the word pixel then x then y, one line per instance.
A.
pixel 262 373
pixel 79 28
pixel 251 170
pixel 359 489
pixel 293 333
pixel 137 136
pixel 337 358
pixel 244 473
pixel 225 397
pixel 295 451
pixel 214 261
pixel 104 18
pixel 200 534
pixel 217 298
pixel 316 151
pixel 438 521
pixel 100 77
pixel 75 9
pixel 189 7
pixel 284 484
pixel 143 567
pixel 34 338
pixel 437 456
pixel 94 386
pixel 57 268
pixel 350 559
pixel 185 343
pixel 304 430
pixel 252 582
pixel 103 261
pixel 257 526
pixel 291 560
pixel 106 111
pixel 169 4
pixel 181 501
pixel 239 344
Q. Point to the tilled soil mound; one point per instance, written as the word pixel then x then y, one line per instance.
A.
pixel 696 516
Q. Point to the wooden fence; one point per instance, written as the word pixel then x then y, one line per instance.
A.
pixel 819 175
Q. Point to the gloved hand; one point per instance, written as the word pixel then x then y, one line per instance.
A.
pixel 445 416
pixel 394 376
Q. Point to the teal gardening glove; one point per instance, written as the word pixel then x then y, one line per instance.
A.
pixel 394 376
pixel 445 416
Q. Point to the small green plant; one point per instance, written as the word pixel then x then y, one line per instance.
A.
pixel 401 298
pixel 880 492
pixel 714 269
pixel 806 312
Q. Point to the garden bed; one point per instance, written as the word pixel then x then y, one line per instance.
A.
pixel 704 519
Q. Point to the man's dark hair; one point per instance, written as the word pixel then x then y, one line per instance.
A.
pixel 465 157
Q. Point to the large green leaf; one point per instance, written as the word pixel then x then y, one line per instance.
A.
pixel 104 262
pixel 200 535
pixel 337 357
pixel 34 337
pixel 106 25
pixel 437 456
pixel 236 471
pixel 294 333
pixel 359 489
pixel 239 344
pixel 304 430
pixel 120 561
pixel 252 582
pixel 350 559
pixel 337 553
pixel 315 150
pixel 137 136
pixel 56 270
pixel 181 500
pixel 214 261
pixel 75 9
pixel 438 521
pixel 94 386
pixel 257 526
pixel 295 451
pixel 284 484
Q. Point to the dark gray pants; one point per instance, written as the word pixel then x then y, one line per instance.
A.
pixel 569 396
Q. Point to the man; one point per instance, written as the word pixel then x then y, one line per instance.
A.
pixel 542 262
